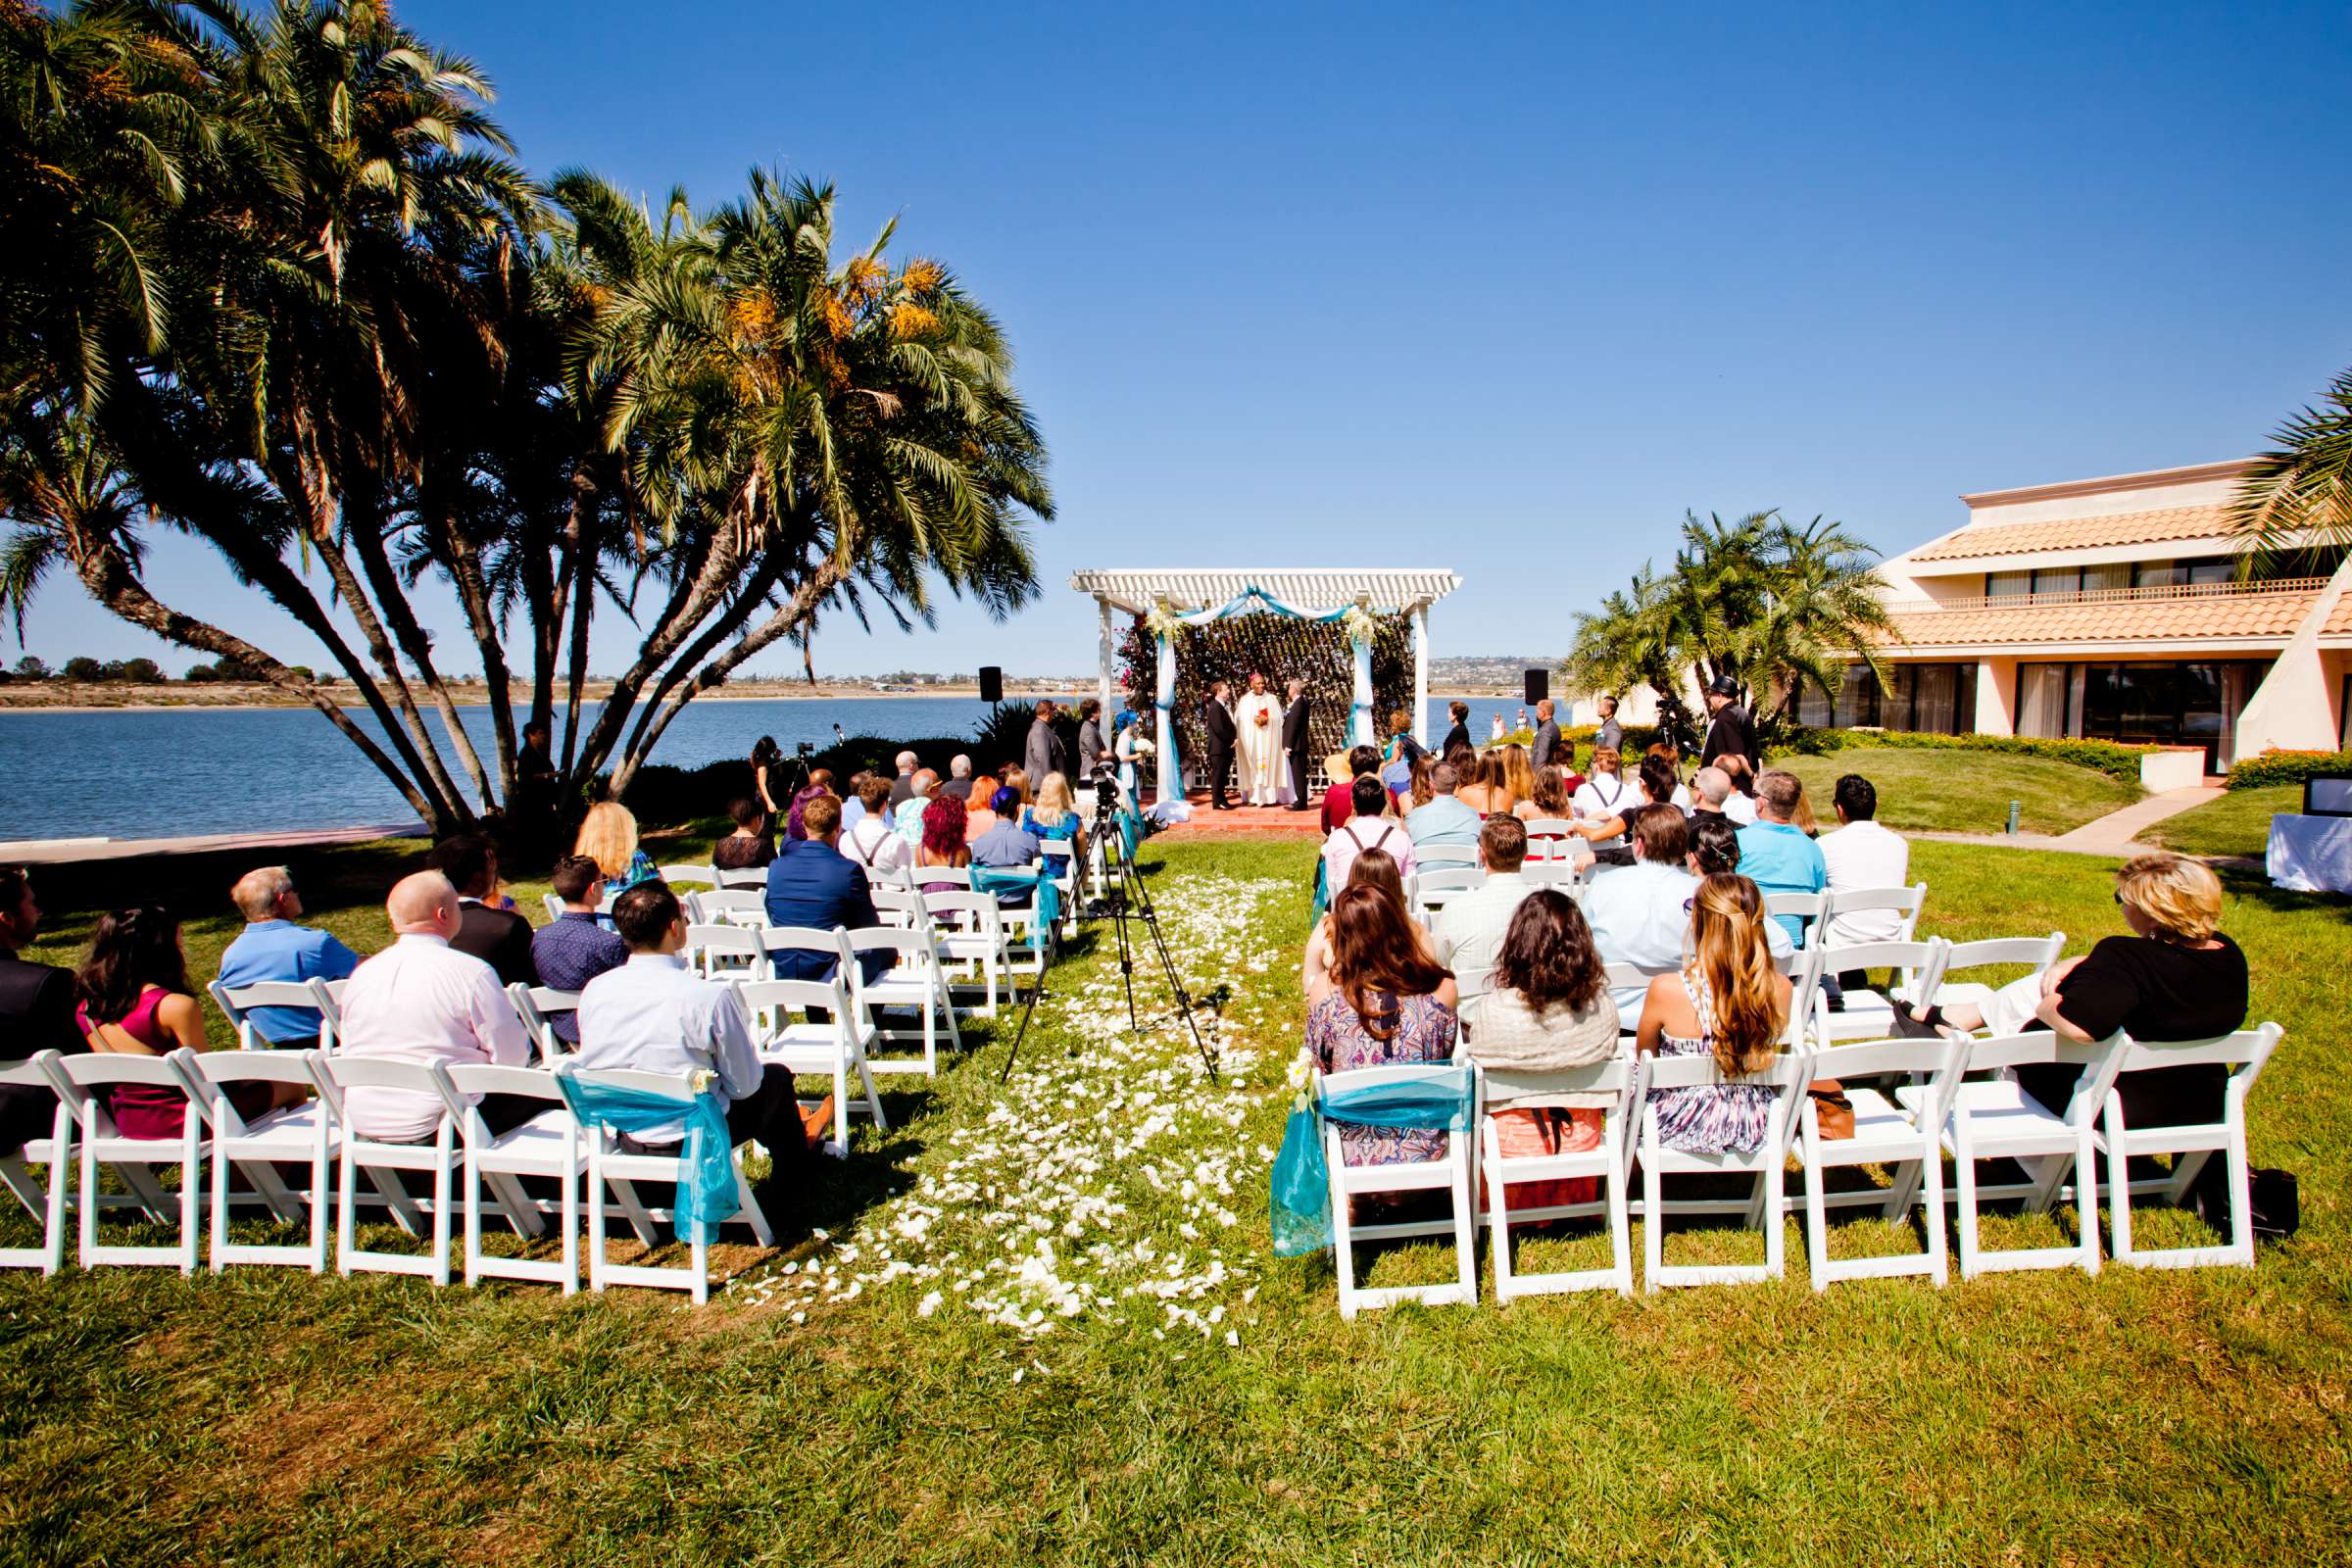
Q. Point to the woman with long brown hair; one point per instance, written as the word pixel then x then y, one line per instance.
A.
pixel 1490 793
pixel 1728 1002
pixel 1549 1012
pixel 1375 868
pixel 1383 1001
pixel 1422 791
pixel 1520 779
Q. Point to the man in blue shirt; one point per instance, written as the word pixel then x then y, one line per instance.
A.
pixel 575 949
pixel 1444 821
pixel 271 947
pixel 1008 843
pixel 1775 854
pixel 811 883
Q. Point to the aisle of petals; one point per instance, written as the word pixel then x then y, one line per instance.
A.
pixel 1109 1178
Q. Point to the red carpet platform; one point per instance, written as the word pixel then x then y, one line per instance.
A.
pixel 1264 821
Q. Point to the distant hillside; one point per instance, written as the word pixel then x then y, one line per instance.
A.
pixel 1487 669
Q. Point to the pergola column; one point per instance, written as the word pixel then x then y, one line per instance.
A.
pixel 1109 649
pixel 1421 672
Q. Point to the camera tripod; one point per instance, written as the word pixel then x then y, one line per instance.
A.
pixel 1127 893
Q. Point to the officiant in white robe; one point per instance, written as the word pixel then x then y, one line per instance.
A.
pixel 1259 719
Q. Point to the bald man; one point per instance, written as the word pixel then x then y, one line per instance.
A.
pixel 422 1000
pixel 273 946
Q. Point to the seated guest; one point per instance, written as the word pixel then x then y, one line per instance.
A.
pixel 1488 792
pixel 1006 844
pixel 1711 793
pixel 980 812
pixel 1606 791
pixel 1018 780
pixel 853 803
pixel 1641 912
pixel 1726 1001
pixel 821 782
pixel 907 817
pixel 1054 817
pixel 423 1001
pixel 578 947
pixel 1548 1012
pixel 653 1014
pixel 500 937
pixel 874 843
pixel 1742 776
pixel 1552 794
pixel 1365 830
pixel 36 1011
pixel 748 848
pixel 2175 977
pixel 609 837
pixel 1519 776
pixel 1862 855
pixel 1338 801
pixel 1420 789
pixel 1775 853
pixel 136 1000
pixel 811 883
pixel 1381 1002
pixel 1658 785
pixel 1469 929
pixel 1372 870
pixel 1444 821
pixel 943 842
pixel 960 778
pixel 902 788
pixel 271 947
pixel 1715 852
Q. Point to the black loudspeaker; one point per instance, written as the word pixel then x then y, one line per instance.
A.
pixel 1539 685
pixel 991 684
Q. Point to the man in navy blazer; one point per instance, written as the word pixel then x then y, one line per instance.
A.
pixel 811 883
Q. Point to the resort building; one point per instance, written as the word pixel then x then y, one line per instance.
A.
pixel 2111 609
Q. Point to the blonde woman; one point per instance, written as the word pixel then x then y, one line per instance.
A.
pixel 1519 778
pixel 1727 1002
pixel 609 837
pixel 1055 816
pixel 2175 977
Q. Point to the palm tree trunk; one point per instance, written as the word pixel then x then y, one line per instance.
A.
pixel 697 595
pixel 377 561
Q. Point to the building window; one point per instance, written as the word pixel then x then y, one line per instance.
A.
pixel 2159 574
pixel 2007 584
pixel 2103 580
pixel 2057 580
pixel 2190 703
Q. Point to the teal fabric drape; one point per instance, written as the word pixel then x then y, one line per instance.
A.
pixel 710 1196
pixel 1018 879
pixel 1300 1192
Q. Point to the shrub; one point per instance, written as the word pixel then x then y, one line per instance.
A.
pixel 2288 767
pixel 662 796
pixel 85 667
pixel 2111 758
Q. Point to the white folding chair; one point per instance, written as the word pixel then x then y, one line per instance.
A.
pixel 749 877
pixel 554 907
pixel 74 1078
pixel 1560 874
pixel 237 1004
pixel 45 1203
pixel 302 1134
pixel 728 907
pixel 385 1161
pixel 1427 890
pixel 704 875
pixel 834 1048
pixel 724 952
pixel 1886 1133
pixel 1785 1077
pixel 918 980
pixel 1549 839
pixel 1621 1078
pixel 1903 903
pixel 611 1165
pixel 1806 906
pixel 537 1007
pixel 970 932
pixel 328 996
pixel 1450 1172
pixel 1995 1118
pixel 549 1146
pixel 1470 987
pixel 2039 953
pixel 1869 1014
pixel 1437 855
pixel 951 875
pixel 1059 857
pixel 2244 1054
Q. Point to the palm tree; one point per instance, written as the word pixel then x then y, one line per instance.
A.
pixel 2296 500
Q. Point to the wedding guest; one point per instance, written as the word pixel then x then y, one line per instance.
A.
pixel 1726 1001
pixel 1469 930
pixel 1444 821
pixel 943 843
pixel 960 778
pixel 1371 870
pixel 1381 1002
pixel 812 884
pixel 903 785
pixel 874 843
pixel 1863 855
pixel 1607 792
pixel 1338 801
pixel 37 1010
pixel 1549 1012
pixel 1054 817
pixel 1641 912
pixel 575 948
pixel 609 837
pixel 1715 852
pixel 274 947
pixel 498 936
pixel 906 821
pixel 821 782
pixel 1489 791
pixel 1775 853
pixel 749 847
pixel 1366 829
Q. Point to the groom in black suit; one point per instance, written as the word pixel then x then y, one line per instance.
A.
pixel 1216 717
pixel 1294 741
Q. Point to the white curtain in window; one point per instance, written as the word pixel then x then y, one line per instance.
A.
pixel 2041 699
pixel 2116 574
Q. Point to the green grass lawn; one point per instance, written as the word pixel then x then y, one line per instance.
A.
pixel 2238 823
pixel 1965 792
pixel 865 1399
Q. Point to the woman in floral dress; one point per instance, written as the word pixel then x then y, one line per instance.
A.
pixel 1728 1002
pixel 1383 1001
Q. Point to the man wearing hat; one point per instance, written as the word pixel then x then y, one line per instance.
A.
pixel 1728 732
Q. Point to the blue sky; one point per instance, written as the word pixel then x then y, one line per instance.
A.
pixel 1503 290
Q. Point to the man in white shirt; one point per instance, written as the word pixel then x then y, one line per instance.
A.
pixel 1641 913
pixel 1470 928
pixel 422 1000
pixel 1367 829
pixel 1444 821
pixel 1863 855
pixel 653 1014
pixel 1711 791
pixel 872 841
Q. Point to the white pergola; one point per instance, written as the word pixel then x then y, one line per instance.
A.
pixel 1312 591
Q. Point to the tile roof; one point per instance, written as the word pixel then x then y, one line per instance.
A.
pixel 2340 620
pixel 2120 620
pixel 2080 533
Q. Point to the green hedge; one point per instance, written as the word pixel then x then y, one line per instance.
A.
pixel 2288 767
pixel 2106 756
pixel 666 796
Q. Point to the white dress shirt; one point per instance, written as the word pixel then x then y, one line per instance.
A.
pixel 1741 809
pixel 1470 928
pixel 876 845
pixel 652 1014
pixel 1864 854
pixel 1605 796
pixel 422 1000
pixel 1357 835
pixel 1640 915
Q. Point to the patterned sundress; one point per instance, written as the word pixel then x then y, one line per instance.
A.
pixel 1424 1033
pixel 1708 1118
